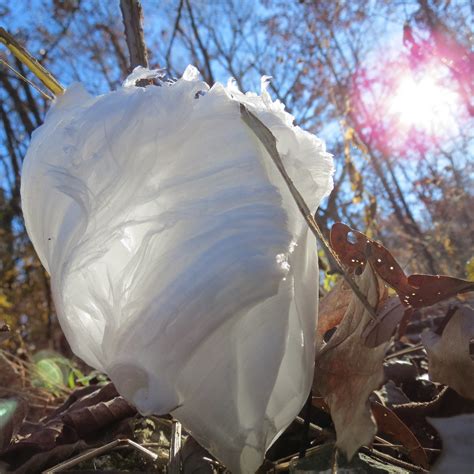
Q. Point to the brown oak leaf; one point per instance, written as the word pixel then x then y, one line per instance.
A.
pixel 85 416
pixel 449 360
pixel 332 308
pixel 382 328
pixel 356 249
pixel 347 371
pixel 389 423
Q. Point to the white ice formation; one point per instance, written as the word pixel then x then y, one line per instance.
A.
pixel 180 265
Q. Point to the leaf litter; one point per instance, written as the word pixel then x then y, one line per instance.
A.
pixel 374 388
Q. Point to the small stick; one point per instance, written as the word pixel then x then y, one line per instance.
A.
pixel 390 459
pixel 268 140
pixel 92 453
pixel 283 463
pixel 23 78
pixel 334 460
pixel 153 456
pixel 306 425
pixel 175 447
pixel 407 350
pixel 386 444
pixel 31 63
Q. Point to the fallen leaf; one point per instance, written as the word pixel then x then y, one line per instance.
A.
pixel 332 307
pixel 84 396
pixel 78 422
pixel 449 360
pixel 431 289
pixel 416 291
pixel 91 419
pixel 356 249
pixel 347 371
pixel 349 244
pixel 381 329
pixel 389 423
pixel 39 460
pixel 457 434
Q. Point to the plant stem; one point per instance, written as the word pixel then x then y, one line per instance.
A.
pixel 31 63
pixel 268 140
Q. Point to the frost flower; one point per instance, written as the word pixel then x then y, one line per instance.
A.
pixel 180 265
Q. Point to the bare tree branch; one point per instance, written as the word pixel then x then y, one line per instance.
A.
pixel 173 35
pixel 204 52
pixel 132 15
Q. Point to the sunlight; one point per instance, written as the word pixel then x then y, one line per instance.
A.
pixel 406 102
pixel 424 104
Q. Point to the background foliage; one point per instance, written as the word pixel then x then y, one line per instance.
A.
pixel 333 64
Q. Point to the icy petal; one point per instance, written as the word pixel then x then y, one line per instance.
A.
pixel 168 231
pixel 140 73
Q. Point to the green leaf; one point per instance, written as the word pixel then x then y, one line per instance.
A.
pixel 70 380
pixel 49 372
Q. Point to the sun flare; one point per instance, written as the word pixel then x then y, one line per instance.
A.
pixel 424 104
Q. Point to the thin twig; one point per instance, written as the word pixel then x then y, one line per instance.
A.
pixel 282 462
pixel 203 49
pixel 334 460
pixel 408 350
pixel 31 63
pixel 92 453
pixel 386 444
pixel 153 456
pixel 306 423
pixel 390 459
pixel 132 15
pixel 173 35
pixel 269 142
pixel 23 78
pixel 175 447
pixel 328 434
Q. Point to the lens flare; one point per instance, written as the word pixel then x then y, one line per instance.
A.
pixel 406 104
pixel 424 103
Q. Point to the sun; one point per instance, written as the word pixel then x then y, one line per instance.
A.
pixel 404 104
pixel 424 103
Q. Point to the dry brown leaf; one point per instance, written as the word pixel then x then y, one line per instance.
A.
pixel 381 329
pixel 449 360
pixel 38 460
pixel 332 307
pixel 87 414
pixel 389 423
pixel 95 417
pixel 347 371
pixel 417 291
